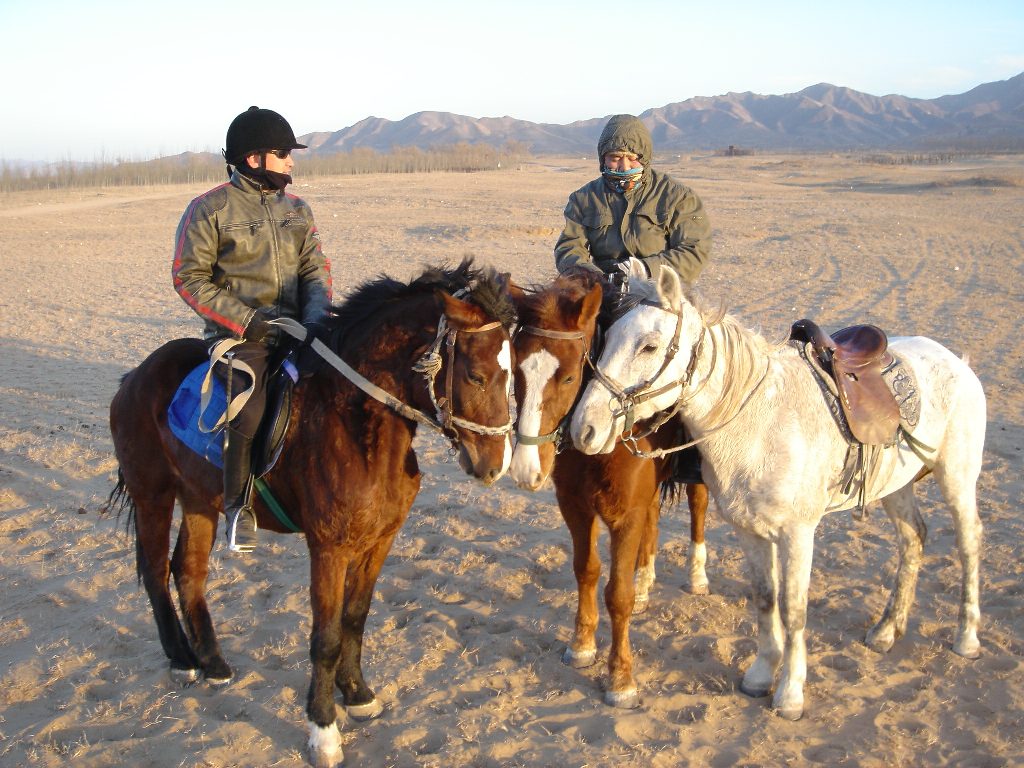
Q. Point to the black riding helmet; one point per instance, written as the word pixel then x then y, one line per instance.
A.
pixel 258 130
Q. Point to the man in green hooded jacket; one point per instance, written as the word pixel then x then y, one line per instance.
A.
pixel 632 210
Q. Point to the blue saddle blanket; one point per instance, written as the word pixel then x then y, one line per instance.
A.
pixel 184 414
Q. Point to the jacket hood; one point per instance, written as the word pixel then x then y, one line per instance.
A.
pixel 625 133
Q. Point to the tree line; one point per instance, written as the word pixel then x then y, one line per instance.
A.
pixel 194 168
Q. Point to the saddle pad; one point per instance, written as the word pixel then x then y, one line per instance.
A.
pixel 183 415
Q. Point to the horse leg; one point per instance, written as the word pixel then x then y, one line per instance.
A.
pixel 586 565
pixel 625 537
pixel 910 530
pixel 796 550
pixel 360 701
pixel 190 567
pixel 153 514
pixel 645 572
pixel 959 486
pixel 327 593
pixel 760 555
pixel 697 556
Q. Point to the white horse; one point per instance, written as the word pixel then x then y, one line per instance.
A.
pixel 774 460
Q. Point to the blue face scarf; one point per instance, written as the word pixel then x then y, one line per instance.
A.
pixel 622 181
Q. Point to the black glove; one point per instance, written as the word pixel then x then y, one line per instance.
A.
pixel 316 330
pixel 259 330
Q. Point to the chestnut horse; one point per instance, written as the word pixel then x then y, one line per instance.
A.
pixel 347 474
pixel 553 344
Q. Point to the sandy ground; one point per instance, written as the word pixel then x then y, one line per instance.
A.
pixel 476 600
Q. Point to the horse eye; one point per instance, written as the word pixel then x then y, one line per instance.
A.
pixel 569 379
pixel 649 349
pixel 477 379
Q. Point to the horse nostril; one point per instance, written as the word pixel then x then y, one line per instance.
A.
pixel 588 434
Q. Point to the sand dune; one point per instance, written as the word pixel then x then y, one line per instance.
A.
pixel 475 602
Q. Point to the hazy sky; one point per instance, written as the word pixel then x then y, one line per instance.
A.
pixel 108 79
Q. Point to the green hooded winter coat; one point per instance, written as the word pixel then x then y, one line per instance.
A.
pixel 661 222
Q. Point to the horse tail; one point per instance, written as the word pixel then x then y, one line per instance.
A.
pixel 671 492
pixel 120 499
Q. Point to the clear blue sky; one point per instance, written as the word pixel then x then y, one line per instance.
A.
pixel 109 79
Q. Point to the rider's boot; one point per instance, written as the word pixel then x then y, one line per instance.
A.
pixel 687 469
pixel 241 518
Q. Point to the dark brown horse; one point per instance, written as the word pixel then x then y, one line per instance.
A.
pixel 557 327
pixel 347 474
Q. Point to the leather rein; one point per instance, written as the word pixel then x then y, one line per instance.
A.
pixel 429 365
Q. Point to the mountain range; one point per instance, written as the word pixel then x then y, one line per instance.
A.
pixel 820 117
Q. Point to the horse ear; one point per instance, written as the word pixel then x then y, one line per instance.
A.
pixel 670 288
pixel 461 314
pixel 590 306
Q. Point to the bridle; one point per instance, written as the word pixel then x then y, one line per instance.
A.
pixel 556 435
pixel 428 366
pixel 627 398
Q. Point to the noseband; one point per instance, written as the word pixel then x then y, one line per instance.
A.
pixel 556 435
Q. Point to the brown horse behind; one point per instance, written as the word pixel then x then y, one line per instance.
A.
pixel 557 328
pixel 347 474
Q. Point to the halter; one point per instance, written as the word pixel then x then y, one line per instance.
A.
pixel 428 365
pixel 629 397
pixel 556 435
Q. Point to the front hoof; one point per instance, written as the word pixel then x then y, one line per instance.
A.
pixel 323 750
pixel 640 605
pixel 184 677
pixel 368 711
pixel 579 659
pixel 794 712
pixel 757 691
pixel 627 699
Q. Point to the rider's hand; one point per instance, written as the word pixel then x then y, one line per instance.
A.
pixel 259 329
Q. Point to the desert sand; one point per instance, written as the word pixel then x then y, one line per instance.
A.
pixel 475 603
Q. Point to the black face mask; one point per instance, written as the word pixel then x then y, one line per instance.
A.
pixel 263 177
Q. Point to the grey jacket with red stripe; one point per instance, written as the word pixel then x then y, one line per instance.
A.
pixel 239 249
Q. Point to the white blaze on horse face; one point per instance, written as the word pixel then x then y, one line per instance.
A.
pixel 505 361
pixel 537 370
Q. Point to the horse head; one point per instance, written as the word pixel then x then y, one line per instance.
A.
pixel 555 336
pixel 647 359
pixel 472 389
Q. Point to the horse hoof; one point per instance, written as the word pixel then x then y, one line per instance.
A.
pixel 967 649
pixel 880 642
pixel 323 750
pixel 627 699
pixel 754 691
pixel 184 677
pixel 639 606
pixel 790 713
pixel 579 659
pixel 697 588
pixel 367 711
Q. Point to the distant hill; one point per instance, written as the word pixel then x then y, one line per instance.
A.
pixel 820 117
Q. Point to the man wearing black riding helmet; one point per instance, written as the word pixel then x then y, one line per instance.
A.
pixel 246 253
pixel 633 210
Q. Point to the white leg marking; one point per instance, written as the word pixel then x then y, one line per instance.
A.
pixel 325 746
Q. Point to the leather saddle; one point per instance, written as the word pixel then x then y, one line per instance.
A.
pixel 856 357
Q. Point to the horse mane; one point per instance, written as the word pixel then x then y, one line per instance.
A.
pixel 486 289
pixel 541 299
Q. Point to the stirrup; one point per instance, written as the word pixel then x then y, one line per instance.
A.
pixel 241 529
